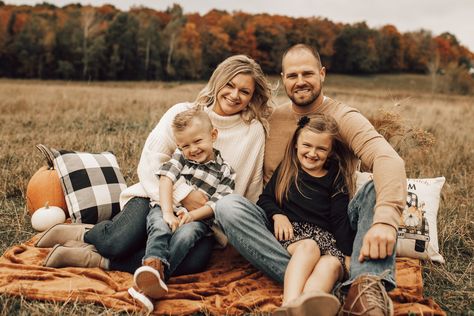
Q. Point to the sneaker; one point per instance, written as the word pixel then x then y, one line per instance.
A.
pixel 149 278
pixel 141 299
pixel 367 296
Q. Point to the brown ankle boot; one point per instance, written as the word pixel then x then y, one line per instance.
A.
pixel 367 296
pixel 149 278
pixel 75 254
pixel 61 233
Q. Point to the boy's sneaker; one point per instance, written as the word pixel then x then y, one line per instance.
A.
pixel 149 278
pixel 141 298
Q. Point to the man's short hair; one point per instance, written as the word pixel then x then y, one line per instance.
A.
pixel 184 119
pixel 306 47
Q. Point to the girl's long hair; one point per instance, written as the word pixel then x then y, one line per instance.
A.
pixel 259 107
pixel 340 154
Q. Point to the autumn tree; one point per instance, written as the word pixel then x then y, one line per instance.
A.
pixel 355 50
pixel 151 46
pixel 171 34
pixel 215 41
pixel 390 51
pixel 122 47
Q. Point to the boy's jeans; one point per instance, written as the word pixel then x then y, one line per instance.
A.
pixel 171 248
pixel 247 227
pixel 122 240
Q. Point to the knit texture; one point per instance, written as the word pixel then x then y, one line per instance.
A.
pixel 242 145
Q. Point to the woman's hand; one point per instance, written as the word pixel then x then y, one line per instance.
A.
pixel 171 220
pixel 282 227
pixel 185 217
pixel 195 199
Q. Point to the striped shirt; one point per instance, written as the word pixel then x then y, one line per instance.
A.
pixel 215 178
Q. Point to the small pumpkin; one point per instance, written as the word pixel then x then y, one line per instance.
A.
pixel 44 187
pixel 46 217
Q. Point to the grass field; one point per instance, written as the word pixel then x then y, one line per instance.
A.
pixel 119 116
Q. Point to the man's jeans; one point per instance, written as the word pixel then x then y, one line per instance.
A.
pixel 171 248
pixel 123 239
pixel 247 227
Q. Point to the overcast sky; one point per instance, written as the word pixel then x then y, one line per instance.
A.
pixel 438 16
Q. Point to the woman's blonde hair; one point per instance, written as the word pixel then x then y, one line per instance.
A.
pixel 259 107
pixel 340 154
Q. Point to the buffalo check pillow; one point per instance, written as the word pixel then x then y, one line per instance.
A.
pixel 418 232
pixel 92 184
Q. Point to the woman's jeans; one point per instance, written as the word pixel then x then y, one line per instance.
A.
pixel 123 239
pixel 247 228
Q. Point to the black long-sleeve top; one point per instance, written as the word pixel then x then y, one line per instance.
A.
pixel 322 201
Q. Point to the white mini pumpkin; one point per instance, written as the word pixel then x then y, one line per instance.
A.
pixel 46 217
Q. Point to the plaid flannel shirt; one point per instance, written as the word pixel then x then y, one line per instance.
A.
pixel 215 178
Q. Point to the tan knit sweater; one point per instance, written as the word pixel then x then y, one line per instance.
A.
pixel 241 145
pixel 370 147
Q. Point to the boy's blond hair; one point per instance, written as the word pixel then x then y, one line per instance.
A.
pixel 184 119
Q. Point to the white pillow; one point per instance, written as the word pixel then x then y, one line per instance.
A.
pixel 418 232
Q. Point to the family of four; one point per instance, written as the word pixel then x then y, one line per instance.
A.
pixel 201 180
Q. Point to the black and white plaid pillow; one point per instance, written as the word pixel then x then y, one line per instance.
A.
pixel 92 184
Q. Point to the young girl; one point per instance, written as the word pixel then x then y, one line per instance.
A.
pixel 307 198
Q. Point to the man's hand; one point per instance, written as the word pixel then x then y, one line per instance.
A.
pixel 171 220
pixel 185 217
pixel 195 199
pixel 378 243
pixel 282 227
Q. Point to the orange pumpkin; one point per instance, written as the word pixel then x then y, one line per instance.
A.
pixel 44 188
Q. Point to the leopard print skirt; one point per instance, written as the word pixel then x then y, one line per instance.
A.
pixel 325 240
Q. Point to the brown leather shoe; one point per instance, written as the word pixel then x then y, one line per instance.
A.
pixel 367 296
pixel 149 278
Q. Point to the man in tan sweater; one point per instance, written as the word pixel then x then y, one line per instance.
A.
pixel 374 211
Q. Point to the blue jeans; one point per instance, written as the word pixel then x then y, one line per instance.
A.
pixel 123 239
pixel 171 248
pixel 247 228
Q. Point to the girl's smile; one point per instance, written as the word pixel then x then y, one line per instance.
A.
pixel 313 150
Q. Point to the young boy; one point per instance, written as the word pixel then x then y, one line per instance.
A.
pixel 201 166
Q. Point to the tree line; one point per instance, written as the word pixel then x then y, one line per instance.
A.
pixel 78 42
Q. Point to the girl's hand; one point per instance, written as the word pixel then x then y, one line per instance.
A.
pixel 171 220
pixel 185 217
pixel 282 227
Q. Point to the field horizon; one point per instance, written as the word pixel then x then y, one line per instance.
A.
pixel 117 116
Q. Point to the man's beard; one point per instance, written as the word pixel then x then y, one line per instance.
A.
pixel 304 103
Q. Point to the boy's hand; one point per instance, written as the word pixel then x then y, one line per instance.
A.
pixel 282 227
pixel 171 220
pixel 185 217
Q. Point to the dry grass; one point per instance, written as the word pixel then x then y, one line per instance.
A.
pixel 119 116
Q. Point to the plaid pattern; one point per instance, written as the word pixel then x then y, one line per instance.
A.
pixel 215 178
pixel 92 184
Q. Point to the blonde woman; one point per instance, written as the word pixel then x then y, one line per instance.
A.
pixel 236 99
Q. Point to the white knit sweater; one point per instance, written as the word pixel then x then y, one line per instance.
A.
pixel 241 145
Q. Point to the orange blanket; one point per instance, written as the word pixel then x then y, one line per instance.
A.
pixel 229 286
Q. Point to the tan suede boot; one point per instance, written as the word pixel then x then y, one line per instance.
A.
pixel 61 233
pixel 75 254
pixel 310 303
pixel 149 278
